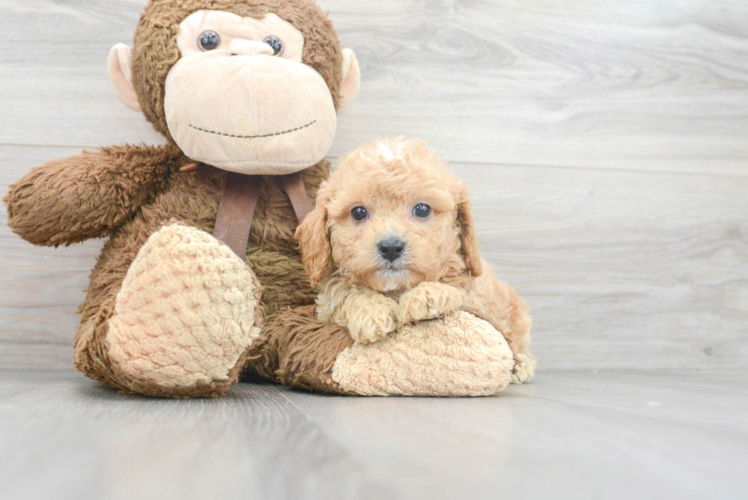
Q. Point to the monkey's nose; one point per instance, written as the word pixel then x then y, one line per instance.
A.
pixel 391 249
pixel 241 47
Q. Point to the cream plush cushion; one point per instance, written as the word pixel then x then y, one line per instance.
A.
pixel 458 355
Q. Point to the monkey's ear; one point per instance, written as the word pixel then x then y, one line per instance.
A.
pixel 313 238
pixel 351 79
pixel 468 236
pixel 119 64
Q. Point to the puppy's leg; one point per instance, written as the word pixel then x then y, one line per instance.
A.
pixel 429 300
pixel 368 315
pixel 499 304
pixel 524 368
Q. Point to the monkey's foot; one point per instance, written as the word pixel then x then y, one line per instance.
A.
pixel 185 317
pixel 458 355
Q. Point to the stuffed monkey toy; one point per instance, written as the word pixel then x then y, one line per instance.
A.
pixel 201 281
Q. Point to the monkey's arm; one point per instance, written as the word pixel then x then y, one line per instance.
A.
pixel 87 196
pixel 368 315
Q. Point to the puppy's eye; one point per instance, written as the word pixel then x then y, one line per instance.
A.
pixel 422 211
pixel 359 213
pixel 275 43
pixel 209 40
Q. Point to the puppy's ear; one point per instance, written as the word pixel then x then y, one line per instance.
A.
pixel 470 248
pixel 313 238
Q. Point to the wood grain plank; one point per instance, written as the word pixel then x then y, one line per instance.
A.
pixel 631 85
pixel 646 85
pixel 91 442
pixel 622 269
pixel 574 435
pixel 567 435
pixel 55 88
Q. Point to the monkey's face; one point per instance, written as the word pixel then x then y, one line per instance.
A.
pixel 241 99
pixel 240 92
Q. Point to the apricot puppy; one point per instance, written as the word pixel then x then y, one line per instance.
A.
pixel 391 241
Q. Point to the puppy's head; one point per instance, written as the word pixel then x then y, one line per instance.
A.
pixel 390 217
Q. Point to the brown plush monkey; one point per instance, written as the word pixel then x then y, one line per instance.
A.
pixel 237 87
pixel 244 86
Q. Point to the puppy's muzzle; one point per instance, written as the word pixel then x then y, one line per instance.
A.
pixel 391 249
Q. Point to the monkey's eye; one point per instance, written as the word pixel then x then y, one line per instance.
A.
pixel 422 211
pixel 209 40
pixel 275 43
pixel 359 214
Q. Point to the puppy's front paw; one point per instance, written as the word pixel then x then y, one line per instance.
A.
pixel 374 321
pixel 428 300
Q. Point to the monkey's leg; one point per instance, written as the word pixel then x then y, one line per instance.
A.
pixel 458 355
pixel 297 349
pixel 182 322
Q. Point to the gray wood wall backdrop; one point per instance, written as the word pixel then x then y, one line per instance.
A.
pixel 606 143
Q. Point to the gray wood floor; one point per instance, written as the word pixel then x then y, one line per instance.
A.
pixel 606 144
pixel 613 435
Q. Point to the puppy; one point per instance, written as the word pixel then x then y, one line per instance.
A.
pixel 391 241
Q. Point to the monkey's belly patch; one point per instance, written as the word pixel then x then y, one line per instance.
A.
pixel 254 136
pixel 459 355
pixel 186 312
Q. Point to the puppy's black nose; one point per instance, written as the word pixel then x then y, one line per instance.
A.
pixel 391 249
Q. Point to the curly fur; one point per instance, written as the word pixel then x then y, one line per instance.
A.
pixel 441 269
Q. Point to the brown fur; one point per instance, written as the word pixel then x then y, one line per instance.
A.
pixel 59 202
pixel 441 269
pixel 295 348
pixel 129 192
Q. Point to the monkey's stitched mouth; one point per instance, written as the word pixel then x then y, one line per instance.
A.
pixel 254 136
